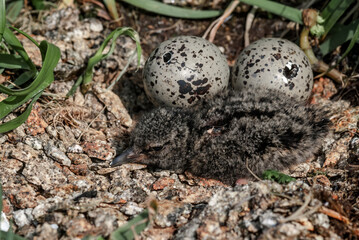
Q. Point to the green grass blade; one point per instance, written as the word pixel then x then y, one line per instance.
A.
pixel 9 235
pixel 2 18
pixel 332 12
pixel 23 78
pixel 45 78
pixel 338 36
pixel 38 4
pixel 14 123
pixel 173 11
pixel 139 223
pixel 51 56
pixel 13 10
pixel 290 13
pixel 15 44
pixel 11 61
pixel 4 236
pixel 349 48
pixel 26 35
pixel 78 82
pixel 0 198
pixel 1 234
pixel 351 44
pixel 86 78
pixel 93 238
pixel 278 177
pixel 100 55
pixel 10 103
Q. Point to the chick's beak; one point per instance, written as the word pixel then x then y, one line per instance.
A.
pixel 128 156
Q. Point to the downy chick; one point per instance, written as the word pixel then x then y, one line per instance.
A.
pixel 215 139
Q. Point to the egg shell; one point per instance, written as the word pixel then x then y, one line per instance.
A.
pixel 183 70
pixel 274 63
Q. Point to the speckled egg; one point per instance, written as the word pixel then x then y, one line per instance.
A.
pixel 183 70
pixel 274 63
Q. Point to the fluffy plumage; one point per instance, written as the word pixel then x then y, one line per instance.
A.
pixel 216 138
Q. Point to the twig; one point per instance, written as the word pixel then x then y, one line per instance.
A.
pixel 93 120
pixel 354 167
pixel 159 30
pixel 210 27
pixel 249 21
pixel 334 214
pixel 222 18
pixel 281 195
pixel 53 95
pixel 251 172
pixel 300 212
pixel 122 71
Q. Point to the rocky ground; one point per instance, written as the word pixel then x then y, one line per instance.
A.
pixel 55 171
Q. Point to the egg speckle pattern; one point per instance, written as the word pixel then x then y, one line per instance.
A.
pixel 183 70
pixel 274 63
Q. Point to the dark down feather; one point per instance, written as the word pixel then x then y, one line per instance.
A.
pixel 216 138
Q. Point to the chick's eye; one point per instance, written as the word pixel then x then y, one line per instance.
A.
pixel 156 148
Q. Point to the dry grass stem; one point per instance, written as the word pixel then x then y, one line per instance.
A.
pixel 333 214
pixel 251 172
pixel 218 22
pixel 249 21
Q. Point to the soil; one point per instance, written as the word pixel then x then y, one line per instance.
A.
pixel 55 173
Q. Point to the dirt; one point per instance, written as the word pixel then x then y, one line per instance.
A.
pixel 55 171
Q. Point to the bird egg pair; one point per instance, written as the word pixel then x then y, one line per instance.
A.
pixel 183 70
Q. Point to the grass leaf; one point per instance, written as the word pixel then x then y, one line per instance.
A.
pixel 332 12
pixel 15 44
pixel 12 61
pixel 277 176
pixel 1 198
pixel 78 82
pixel 9 235
pixel 279 9
pixel 137 224
pixel 26 35
pixel 351 44
pixel 23 78
pixel 2 18
pixel 38 4
pixel 173 11
pixel 338 36
pixel 86 78
pixel 13 10
pixel 14 123
pixel 51 56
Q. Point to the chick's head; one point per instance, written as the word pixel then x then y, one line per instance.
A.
pixel 161 139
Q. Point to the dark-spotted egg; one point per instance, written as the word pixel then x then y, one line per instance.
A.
pixel 183 70
pixel 274 63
